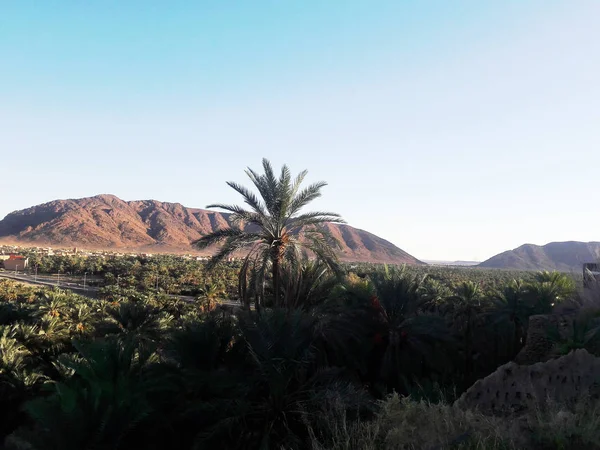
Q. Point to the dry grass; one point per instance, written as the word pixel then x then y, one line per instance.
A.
pixel 557 427
pixel 405 424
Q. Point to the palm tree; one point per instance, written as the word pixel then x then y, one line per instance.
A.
pixel 18 380
pixel 54 303
pixel 434 292
pixel 286 383
pixel 549 289
pixel 274 230
pixel 408 337
pixel 80 319
pixel 510 305
pixel 30 336
pixel 209 296
pixel 8 291
pixel 465 306
pixel 307 284
pixel 102 402
pixel 136 322
pixel 210 357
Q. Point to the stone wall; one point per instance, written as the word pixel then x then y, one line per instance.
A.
pixel 542 334
pixel 514 388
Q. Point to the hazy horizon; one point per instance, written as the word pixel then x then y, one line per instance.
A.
pixel 455 131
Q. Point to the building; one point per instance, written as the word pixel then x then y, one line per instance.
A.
pixel 16 262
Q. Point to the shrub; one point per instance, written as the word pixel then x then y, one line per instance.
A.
pixel 402 423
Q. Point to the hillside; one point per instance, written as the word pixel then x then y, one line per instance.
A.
pixel 107 222
pixel 562 256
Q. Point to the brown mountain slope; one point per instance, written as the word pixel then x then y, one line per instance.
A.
pixel 561 256
pixel 105 221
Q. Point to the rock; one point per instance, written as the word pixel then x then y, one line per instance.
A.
pixel 516 388
pixel 564 418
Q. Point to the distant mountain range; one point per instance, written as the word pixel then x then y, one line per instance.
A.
pixel 107 222
pixel 434 262
pixel 561 256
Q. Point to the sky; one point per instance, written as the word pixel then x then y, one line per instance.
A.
pixel 454 129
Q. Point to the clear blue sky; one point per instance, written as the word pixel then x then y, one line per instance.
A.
pixel 455 129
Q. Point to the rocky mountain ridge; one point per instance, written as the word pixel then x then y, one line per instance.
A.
pixel 107 222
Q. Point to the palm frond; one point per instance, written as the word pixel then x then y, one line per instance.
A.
pixel 249 197
pixel 239 215
pixel 305 196
pixel 322 234
pixel 297 182
pixel 314 218
pixel 217 237
pixel 232 245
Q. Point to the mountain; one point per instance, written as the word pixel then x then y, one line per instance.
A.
pixel 107 222
pixel 561 256
pixel 435 262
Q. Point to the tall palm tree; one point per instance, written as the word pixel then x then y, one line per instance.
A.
pixel 274 229
pixel 510 305
pixel 286 383
pixel 411 339
pixel 465 306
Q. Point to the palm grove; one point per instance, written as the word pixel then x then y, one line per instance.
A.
pixel 308 360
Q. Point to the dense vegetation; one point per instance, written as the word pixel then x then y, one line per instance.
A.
pixel 180 276
pixel 316 355
pixel 152 371
pixel 163 273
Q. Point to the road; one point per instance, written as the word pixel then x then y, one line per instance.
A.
pixel 45 280
pixel 88 291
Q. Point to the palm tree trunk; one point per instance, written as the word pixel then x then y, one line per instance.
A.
pixel 259 296
pixel 517 339
pixel 496 345
pixel 276 280
pixel 468 350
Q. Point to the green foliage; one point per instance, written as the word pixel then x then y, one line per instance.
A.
pixel 412 340
pixel 583 333
pixel 549 289
pixel 307 283
pixel 18 379
pixel 142 369
pixel 509 307
pixel 136 322
pixel 102 403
